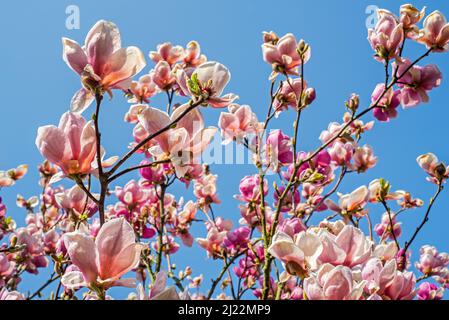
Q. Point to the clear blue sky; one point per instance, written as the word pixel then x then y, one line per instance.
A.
pixel 36 87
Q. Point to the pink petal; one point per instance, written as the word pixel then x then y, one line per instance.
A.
pixel 74 55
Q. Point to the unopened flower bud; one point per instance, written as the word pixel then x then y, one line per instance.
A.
pixel 309 96
pixel 353 103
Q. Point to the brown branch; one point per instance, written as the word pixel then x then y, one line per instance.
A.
pixel 425 219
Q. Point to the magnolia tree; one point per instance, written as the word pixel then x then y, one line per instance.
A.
pixel 96 235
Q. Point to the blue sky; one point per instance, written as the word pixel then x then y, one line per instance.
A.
pixel 36 87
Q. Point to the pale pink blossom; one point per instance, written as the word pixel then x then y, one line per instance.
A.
pixel 386 38
pixel 388 229
pixel 132 116
pixel 349 248
pixel 299 254
pixel 435 33
pixel 283 55
pixel 436 170
pixel 278 150
pixel 163 76
pixel 192 55
pixel 76 201
pixel 378 274
pixel 158 290
pixel 168 53
pixel 290 94
pixel 132 194
pixel 341 153
pixel 102 63
pixel 71 146
pixel 432 262
pixel 333 283
pixel 417 82
pixel 102 262
pixel 182 145
pixel 11 295
pixel 402 287
pixel 207 82
pixel 407 201
pixel 143 89
pixel 409 17
pixel 387 105
pixel 350 203
pixel 213 242
pixel 363 159
pixel 9 178
pixel 238 123
pixel 205 190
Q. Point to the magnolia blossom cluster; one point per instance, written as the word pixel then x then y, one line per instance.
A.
pixel 295 233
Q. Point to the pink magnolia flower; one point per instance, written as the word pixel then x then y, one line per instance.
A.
pixel 318 170
pixel 363 159
pixel 409 17
pixel 102 63
pixel 416 83
pixel 402 287
pixel 278 150
pixel 290 94
pixel 436 32
pixel 431 262
pixel 333 283
pixel 152 174
pixel 386 109
pixel 386 37
pixel 237 240
pixel 238 123
pixel 182 145
pixel 6 268
pixel 379 190
pixel 436 170
pixel 159 290
pixel 351 203
pixel 378 275
pixel 299 254
pixel 33 256
pixel 205 190
pixel 349 248
pixel 76 201
pixel 2 208
pixel 143 89
pixel 163 76
pixel 384 229
pixel 9 178
pixel 132 194
pixel 291 201
pixel 283 56
pixel 71 146
pixel 429 291
pixel 207 82
pixel 406 201
pixel 192 55
pixel 133 113
pixel 250 189
pixel 10 295
pixel 102 262
pixel 292 226
pixel 341 153
pixel 213 243
pixel 168 53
